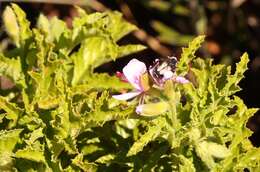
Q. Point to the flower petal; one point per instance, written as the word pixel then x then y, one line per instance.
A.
pixel 121 76
pixel 181 80
pixel 133 72
pixel 127 96
pixel 168 75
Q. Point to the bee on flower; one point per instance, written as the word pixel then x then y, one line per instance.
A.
pixel 136 73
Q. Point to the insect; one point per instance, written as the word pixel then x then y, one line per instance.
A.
pixel 163 69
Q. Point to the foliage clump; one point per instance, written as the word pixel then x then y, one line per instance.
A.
pixel 60 115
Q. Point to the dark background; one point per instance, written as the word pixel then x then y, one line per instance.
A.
pixel 231 26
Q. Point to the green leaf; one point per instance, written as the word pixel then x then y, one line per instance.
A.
pixel 88 57
pixel 231 86
pixel 53 29
pixel 159 5
pixel 171 36
pixel 46 93
pixel 150 135
pixel 154 158
pixel 201 71
pixel 100 117
pixel 125 50
pixel 31 154
pixel 2 115
pixel 186 164
pixel 12 111
pixel 107 30
pixel 111 22
pixel 55 148
pixel 35 135
pixel 249 160
pixel 117 26
pixel 71 123
pixel 8 140
pixel 205 154
pixel 85 166
pixel 11 24
pixel 12 69
pixel 23 23
pixel 103 81
pixel 188 54
pixel 61 121
pixel 105 159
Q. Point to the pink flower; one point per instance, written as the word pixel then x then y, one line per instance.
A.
pixel 133 73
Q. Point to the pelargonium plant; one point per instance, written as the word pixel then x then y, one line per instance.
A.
pixel 60 115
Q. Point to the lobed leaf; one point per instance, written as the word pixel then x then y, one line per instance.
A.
pixel 188 54
pixel 12 68
pixel 149 136
pixel 31 154
pixel 8 141
pixel 24 25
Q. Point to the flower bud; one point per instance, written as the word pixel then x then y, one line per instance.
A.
pixel 152 109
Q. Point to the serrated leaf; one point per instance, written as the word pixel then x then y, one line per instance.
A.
pixel 154 158
pixel 53 28
pixel 105 159
pixel 186 164
pixel 12 69
pixel 8 140
pixel 118 27
pixel 88 57
pixel 85 166
pixel 123 127
pixel 104 81
pixel 111 22
pixel 46 94
pixel 202 73
pixel 188 54
pixel 203 152
pixel 31 154
pixel 99 117
pixel 125 50
pixel 36 134
pixel 55 148
pixel 61 122
pixel 249 159
pixel 91 148
pixel 231 86
pixel 12 111
pixel 149 136
pixel 106 34
pixel 23 23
